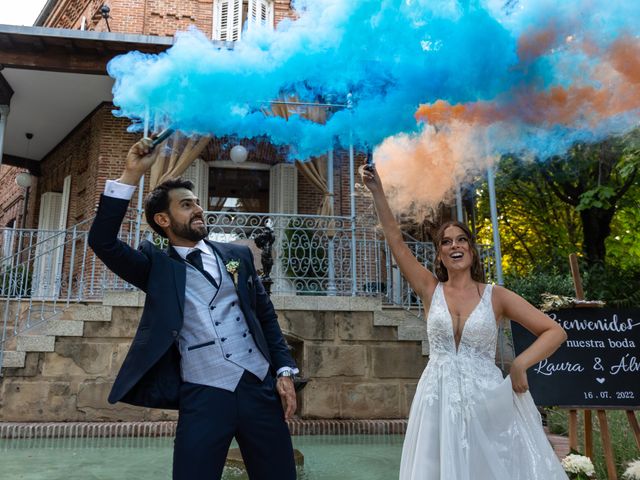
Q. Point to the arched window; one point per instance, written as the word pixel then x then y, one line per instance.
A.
pixel 229 16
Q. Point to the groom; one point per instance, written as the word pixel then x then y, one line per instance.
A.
pixel 208 343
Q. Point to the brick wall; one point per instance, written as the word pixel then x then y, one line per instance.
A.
pixel 12 198
pixel 146 17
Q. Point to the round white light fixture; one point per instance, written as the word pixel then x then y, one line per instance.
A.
pixel 238 154
pixel 23 179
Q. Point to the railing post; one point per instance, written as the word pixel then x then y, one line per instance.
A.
pixel 331 284
pixel 352 195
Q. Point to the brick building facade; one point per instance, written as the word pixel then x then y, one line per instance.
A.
pixel 94 150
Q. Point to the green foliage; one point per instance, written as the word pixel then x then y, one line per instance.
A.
pixel 597 197
pixel 618 288
pixel 532 286
pixel 537 230
pixel 587 200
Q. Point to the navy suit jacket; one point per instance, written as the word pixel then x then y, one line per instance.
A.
pixel 150 373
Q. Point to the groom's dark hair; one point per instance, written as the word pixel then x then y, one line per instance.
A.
pixel 157 201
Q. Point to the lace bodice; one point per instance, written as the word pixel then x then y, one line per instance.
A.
pixel 479 334
pixel 471 367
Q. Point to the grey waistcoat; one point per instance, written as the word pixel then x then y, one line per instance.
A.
pixel 215 342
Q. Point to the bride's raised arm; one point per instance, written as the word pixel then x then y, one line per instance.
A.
pixel 420 279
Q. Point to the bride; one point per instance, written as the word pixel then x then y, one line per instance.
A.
pixel 466 421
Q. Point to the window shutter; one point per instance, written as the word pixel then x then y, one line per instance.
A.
pixel 283 189
pixel 228 21
pixel 48 256
pixel 198 173
pixel 260 12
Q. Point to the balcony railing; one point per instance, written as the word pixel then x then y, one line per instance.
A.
pixel 42 272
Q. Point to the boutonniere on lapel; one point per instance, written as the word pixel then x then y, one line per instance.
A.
pixel 232 268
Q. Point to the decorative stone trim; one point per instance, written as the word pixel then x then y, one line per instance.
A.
pixel 62 430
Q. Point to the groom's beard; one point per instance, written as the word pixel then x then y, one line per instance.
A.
pixel 187 230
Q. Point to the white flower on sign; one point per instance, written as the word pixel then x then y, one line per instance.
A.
pixel 633 471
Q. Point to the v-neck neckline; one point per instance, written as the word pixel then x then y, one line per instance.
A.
pixel 464 326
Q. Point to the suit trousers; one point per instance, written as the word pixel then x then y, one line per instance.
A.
pixel 210 417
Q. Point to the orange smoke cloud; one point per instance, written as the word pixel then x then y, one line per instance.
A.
pixel 421 170
pixel 619 77
pixel 537 42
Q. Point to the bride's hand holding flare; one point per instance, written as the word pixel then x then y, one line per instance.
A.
pixel 421 280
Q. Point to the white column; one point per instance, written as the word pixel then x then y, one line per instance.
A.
pixel 4 113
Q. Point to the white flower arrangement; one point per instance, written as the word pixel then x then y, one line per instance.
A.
pixel 578 466
pixel 633 471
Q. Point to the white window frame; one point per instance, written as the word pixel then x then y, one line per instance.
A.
pixel 228 21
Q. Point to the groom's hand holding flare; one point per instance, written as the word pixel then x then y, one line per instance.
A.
pixel 139 159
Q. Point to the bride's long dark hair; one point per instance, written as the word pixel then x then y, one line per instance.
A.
pixel 477 272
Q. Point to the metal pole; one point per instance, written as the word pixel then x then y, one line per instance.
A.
pixel 459 204
pixel 4 112
pixel 331 287
pixel 494 223
pixel 141 186
pixel 352 193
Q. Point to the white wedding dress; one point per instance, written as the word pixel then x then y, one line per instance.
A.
pixel 466 423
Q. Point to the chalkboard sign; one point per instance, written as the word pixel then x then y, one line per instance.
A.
pixel 599 364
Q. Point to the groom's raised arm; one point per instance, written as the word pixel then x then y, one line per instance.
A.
pixel 129 264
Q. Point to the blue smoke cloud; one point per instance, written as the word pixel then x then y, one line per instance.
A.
pixel 391 56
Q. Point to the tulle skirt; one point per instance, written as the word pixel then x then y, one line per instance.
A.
pixel 490 434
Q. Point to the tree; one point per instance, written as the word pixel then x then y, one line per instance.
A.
pixel 586 200
pixel 593 179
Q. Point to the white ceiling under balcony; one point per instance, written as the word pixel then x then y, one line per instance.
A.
pixel 49 105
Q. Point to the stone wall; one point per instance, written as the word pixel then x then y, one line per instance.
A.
pixel 356 369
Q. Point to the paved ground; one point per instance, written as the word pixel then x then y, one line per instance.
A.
pixel 560 444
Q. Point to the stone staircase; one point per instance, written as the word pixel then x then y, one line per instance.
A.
pixel 69 321
pixel 60 321
pixel 411 328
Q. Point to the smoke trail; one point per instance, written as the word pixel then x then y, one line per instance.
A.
pixel 485 76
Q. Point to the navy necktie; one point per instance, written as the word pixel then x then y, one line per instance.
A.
pixel 195 259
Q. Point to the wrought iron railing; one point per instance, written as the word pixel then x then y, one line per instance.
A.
pixel 42 272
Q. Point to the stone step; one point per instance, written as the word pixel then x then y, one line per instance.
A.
pixel 35 343
pixel 393 317
pixel 119 298
pixel 86 313
pixel 66 328
pixel 13 359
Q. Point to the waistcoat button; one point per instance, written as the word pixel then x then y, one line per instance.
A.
pixel 228 355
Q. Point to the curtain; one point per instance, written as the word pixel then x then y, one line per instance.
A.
pixel 315 169
pixel 173 160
